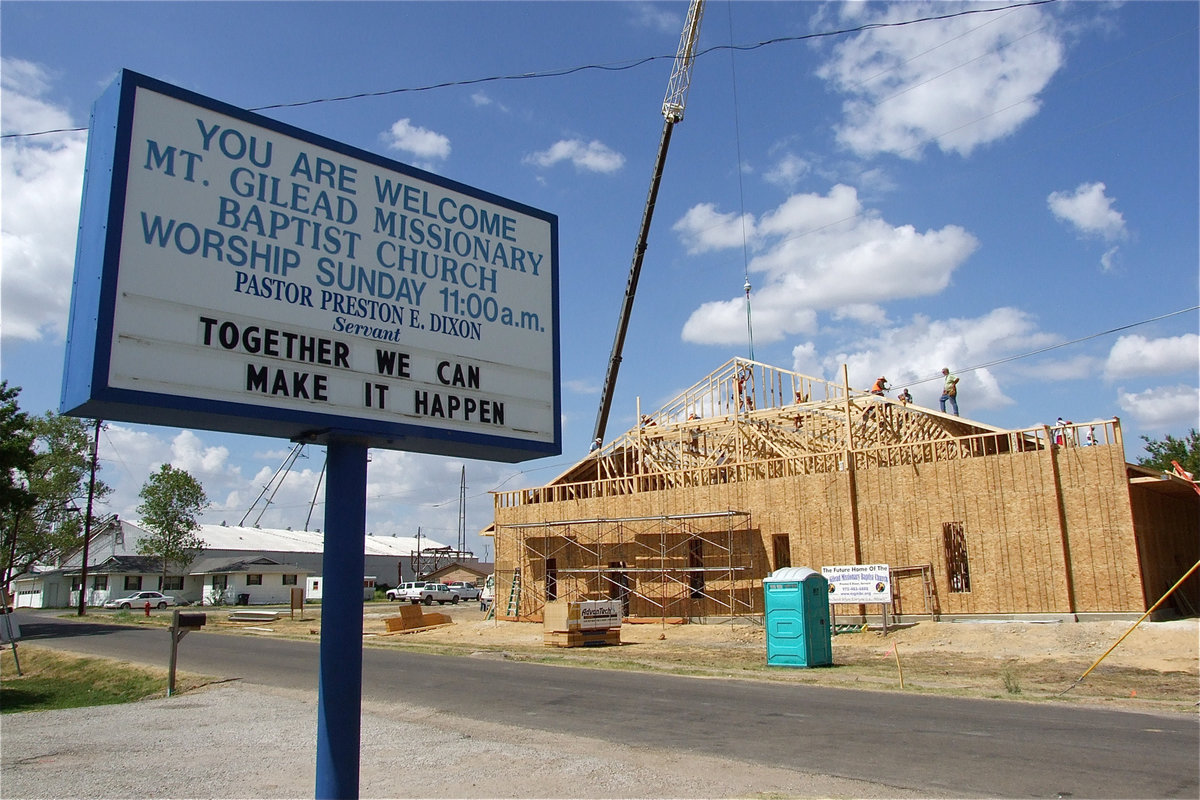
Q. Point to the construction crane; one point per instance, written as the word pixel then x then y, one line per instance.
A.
pixel 672 111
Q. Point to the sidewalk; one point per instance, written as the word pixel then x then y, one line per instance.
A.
pixel 231 741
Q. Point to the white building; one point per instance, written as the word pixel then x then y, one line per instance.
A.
pixel 238 564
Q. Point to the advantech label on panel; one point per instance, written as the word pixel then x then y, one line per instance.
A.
pixel 238 274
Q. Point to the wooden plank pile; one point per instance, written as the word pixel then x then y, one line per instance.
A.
pixel 412 618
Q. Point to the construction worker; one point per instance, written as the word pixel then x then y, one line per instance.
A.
pixel 949 391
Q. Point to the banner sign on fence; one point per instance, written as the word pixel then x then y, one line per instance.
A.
pixel 859 583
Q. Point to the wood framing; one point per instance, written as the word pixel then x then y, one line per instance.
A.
pixel 684 515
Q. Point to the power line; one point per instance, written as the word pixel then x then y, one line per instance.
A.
pixel 1047 349
pixel 613 67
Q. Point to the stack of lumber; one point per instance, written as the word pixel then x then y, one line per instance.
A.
pixel 581 623
pixel 412 618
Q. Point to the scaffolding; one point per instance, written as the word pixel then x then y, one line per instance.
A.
pixel 672 566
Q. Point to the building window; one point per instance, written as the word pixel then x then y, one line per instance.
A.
pixel 289 580
pixel 551 579
pixel 696 563
pixel 220 582
pixel 254 580
pixel 172 583
pixel 133 583
pixel 99 582
pixel 958 567
pixel 783 551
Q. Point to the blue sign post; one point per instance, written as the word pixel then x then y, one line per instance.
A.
pixel 339 690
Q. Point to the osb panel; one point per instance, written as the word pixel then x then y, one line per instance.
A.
pixel 1099 521
pixel 1007 504
pixel 1168 532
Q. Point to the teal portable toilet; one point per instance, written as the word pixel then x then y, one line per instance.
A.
pixel 796 603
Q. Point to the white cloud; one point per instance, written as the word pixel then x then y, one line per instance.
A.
pixel 704 229
pixel 420 142
pixel 787 171
pixel 189 453
pixel 817 253
pixel 41 179
pixel 724 322
pixel 1108 260
pixel 1089 211
pixel 913 355
pixel 649 15
pixel 865 313
pixel 805 361
pixel 1082 367
pixel 1164 408
pixel 960 83
pixel 1134 355
pixel 481 99
pixel 580 386
pixel 593 156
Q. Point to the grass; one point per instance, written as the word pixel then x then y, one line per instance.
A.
pixel 50 679
pixel 1012 684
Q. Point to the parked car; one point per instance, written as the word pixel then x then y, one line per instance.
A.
pixel 464 590
pixel 401 591
pixel 431 592
pixel 139 600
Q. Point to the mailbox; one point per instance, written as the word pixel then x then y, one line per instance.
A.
pixel 191 620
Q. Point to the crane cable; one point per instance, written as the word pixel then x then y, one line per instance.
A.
pixel 737 135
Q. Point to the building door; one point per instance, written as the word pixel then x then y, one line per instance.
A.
pixel 618 585
pixel 782 550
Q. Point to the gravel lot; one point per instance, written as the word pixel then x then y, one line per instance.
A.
pixel 230 741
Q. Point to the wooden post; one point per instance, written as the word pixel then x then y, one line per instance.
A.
pixel 1068 578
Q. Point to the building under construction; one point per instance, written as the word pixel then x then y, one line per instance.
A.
pixel 756 468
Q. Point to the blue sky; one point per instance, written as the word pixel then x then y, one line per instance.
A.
pixel 953 192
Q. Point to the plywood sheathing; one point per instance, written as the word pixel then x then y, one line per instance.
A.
pixel 1049 527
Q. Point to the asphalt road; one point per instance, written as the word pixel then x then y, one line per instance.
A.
pixel 942 745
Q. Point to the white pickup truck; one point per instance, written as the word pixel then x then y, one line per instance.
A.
pixel 401 591
pixel 430 593
pixel 464 590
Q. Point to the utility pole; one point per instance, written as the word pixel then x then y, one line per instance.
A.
pixel 462 513
pixel 87 522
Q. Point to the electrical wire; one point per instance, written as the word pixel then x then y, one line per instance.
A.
pixel 613 67
pixel 1047 349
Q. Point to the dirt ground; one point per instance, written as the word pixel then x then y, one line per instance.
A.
pixel 1156 666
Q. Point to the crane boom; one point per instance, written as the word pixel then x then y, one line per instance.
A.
pixel 672 111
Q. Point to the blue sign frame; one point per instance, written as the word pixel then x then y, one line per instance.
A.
pixel 89 388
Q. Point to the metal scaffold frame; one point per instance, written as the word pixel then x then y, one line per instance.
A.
pixel 664 566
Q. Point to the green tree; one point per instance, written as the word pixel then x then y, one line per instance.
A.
pixel 16 459
pixel 58 477
pixel 1163 451
pixel 171 502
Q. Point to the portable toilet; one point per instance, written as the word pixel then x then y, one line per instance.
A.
pixel 796 602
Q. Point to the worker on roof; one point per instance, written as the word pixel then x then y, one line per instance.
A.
pixel 880 386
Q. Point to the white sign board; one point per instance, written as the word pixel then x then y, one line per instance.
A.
pixel 238 274
pixel 599 614
pixel 859 583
